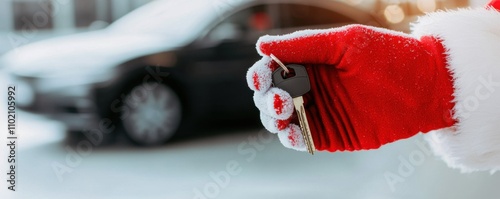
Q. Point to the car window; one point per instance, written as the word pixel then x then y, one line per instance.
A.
pixel 243 24
pixel 297 15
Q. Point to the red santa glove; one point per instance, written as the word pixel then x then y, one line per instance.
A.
pixel 372 86
pixel 369 86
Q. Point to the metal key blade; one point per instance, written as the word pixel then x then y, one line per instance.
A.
pixel 296 84
pixel 298 102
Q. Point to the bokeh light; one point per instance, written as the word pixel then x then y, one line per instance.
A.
pixel 394 14
pixel 426 5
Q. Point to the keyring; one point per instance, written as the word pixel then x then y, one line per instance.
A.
pixel 280 63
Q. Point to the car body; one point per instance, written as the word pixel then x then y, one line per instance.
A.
pixel 167 65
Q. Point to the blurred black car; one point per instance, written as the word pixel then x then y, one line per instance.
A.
pixel 167 65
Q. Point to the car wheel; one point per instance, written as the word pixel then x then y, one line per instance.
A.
pixel 154 114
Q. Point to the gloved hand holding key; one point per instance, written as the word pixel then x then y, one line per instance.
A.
pixel 369 87
pixel 372 86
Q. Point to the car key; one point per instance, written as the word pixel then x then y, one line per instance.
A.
pixel 293 79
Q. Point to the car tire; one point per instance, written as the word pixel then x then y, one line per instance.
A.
pixel 154 113
pixel 76 137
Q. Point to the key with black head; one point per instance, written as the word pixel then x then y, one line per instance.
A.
pixel 293 79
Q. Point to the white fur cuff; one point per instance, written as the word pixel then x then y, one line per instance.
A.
pixel 472 40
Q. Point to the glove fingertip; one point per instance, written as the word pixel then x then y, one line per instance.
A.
pixel 252 78
pixel 279 104
pixel 291 138
pixel 259 76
